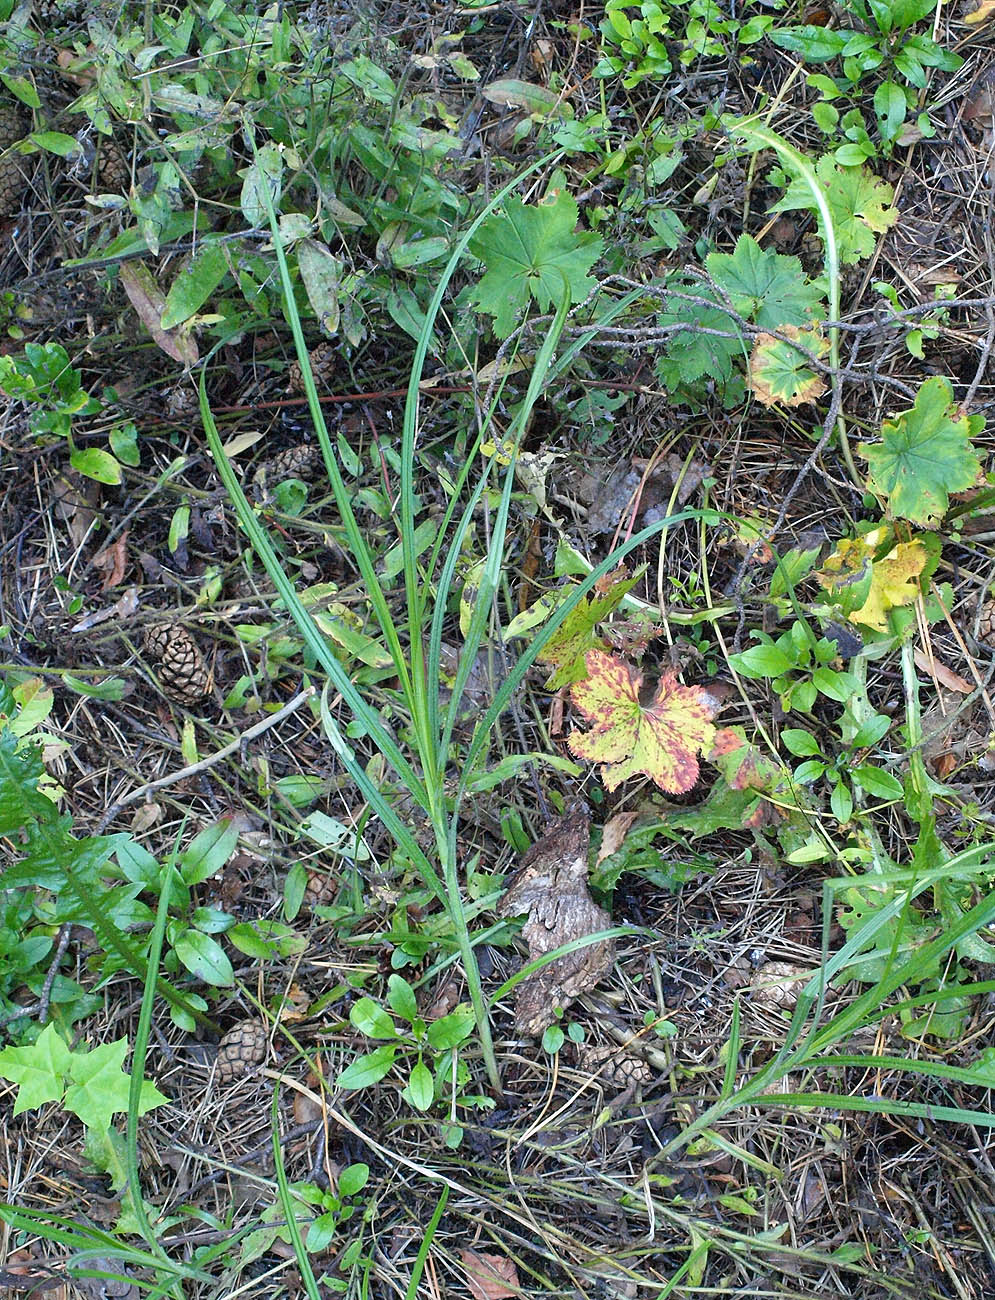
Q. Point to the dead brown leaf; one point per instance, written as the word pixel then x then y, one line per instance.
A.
pixel 613 836
pixel 944 675
pixel 124 607
pixel 551 888
pixel 112 561
pixel 490 1277
pixel 149 302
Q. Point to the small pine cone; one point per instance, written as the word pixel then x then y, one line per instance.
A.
pixel 240 1049
pixel 323 358
pixel 319 890
pixel 180 401
pixel 183 674
pixel 113 171
pixel 614 1065
pixel 295 462
pixel 12 128
pixel 986 623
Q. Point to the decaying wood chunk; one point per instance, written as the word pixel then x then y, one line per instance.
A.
pixel 551 887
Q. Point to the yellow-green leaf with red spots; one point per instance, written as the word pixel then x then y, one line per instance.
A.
pixel 661 741
pixel 575 636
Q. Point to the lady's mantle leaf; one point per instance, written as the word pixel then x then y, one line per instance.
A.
pixel 662 741
pixel 780 373
pixel 532 250
pixel 924 455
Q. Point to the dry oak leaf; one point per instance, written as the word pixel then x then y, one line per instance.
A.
pixel 490 1277
pixel 661 741
pixel 550 887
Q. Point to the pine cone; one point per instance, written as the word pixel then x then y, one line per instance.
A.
pixel 12 128
pixel 240 1049
pixel 294 462
pixel 986 623
pixel 113 171
pixel 183 674
pixel 323 358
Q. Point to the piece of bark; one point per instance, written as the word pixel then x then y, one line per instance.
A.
pixel 550 886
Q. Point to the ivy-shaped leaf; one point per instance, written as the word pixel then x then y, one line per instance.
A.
pixel 661 741
pixel 764 286
pixel 924 455
pixel 859 201
pixel 532 250
pixel 100 1086
pixel 780 374
pixel 39 1070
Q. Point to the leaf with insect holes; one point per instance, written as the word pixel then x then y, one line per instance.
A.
pixel 781 373
pixel 575 636
pixel 661 741
pixel 924 454
pixel 859 201
pixel 532 250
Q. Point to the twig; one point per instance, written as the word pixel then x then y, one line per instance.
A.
pixel 212 760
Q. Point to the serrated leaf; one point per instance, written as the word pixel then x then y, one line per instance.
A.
pixel 924 455
pixel 764 286
pixel 780 374
pixel 859 201
pixel 534 251
pixel 575 636
pixel 661 741
pixel 691 353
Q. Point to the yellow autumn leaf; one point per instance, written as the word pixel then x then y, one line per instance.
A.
pixel 976 17
pixel 894 582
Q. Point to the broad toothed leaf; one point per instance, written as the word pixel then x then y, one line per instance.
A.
pixel 661 741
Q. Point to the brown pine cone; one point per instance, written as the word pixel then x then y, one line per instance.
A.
pixel 12 129
pixel 113 171
pixel 294 462
pixel 986 623
pixel 240 1049
pixel 183 674
pixel 324 358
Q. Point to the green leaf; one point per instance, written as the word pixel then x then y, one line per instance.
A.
pixel 353 1179
pixel 800 743
pixel 368 1069
pixel 420 1091
pixel 208 852
pixel 22 89
pixel 553 1039
pixel 924 455
pixel 370 1019
pixel 841 802
pixel 858 200
pixel 814 44
pixel 811 771
pixel 194 285
pixel 880 784
pixel 449 1031
pixel 39 1070
pixel 780 371
pixel 321 273
pixel 575 636
pixel 401 997
pixel 532 251
pixel 205 958
pixel 761 661
pixel 267 939
pixel 93 462
pixel 100 1086
pixel 266 171
pixel 64 146
pixel 690 353
pixel 764 286
pixel 123 439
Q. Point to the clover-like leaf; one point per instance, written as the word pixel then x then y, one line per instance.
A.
pixel 924 455
pixel 532 250
pixel 661 741
pixel 780 373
